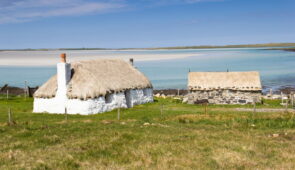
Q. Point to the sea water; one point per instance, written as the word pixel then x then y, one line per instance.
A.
pixel 276 67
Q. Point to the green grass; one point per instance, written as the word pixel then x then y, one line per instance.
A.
pixel 182 137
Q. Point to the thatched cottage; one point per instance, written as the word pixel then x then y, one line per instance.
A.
pixel 224 87
pixel 94 86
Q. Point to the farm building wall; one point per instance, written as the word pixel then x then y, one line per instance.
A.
pixel 52 105
pixel 139 96
pixel 97 105
pixel 125 99
pixel 224 97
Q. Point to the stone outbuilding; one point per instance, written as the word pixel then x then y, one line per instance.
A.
pixel 94 86
pixel 224 87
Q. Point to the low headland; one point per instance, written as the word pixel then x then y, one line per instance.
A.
pixel 164 48
pixel 232 46
pixel 292 49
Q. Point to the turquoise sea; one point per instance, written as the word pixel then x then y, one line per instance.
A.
pixel 277 68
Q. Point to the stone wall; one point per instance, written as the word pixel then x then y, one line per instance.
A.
pixel 224 97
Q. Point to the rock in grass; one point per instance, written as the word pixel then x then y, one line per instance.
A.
pixel 275 135
pixel 185 100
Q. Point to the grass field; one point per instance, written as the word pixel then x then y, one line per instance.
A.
pixel 181 137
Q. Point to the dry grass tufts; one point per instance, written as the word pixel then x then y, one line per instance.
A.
pixel 229 158
pixel 87 121
pixel 107 121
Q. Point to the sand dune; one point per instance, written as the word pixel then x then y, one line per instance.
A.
pixel 49 58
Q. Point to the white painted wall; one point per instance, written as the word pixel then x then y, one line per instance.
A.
pixel 98 105
pixel 92 106
pixel 53 105
pixel 139 96
pixel 58 103
pixel 63 77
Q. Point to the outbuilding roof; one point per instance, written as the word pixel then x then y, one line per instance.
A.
pixel 244 81
pixel 94 78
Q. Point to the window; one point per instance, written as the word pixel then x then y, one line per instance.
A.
pixel 146 92
pixel 108 98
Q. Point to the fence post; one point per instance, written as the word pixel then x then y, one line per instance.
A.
pixel 66 114
pixel 7 94
pixel 292 99
pixel 177 92
pixel 9 116
pixel 254 106
pixel 286 106
pixel 206 108
pixel 118 113
pixel 25 90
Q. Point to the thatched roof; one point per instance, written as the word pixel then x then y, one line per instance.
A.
pixel 94 78
pixel 244 81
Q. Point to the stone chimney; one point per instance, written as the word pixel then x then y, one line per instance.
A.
pixel 63 75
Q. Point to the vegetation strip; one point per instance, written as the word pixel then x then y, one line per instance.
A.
pixel 181 137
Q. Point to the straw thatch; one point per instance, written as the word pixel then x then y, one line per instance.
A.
pixel 244 81
pixel 94 78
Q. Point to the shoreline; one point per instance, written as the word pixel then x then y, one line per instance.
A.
pixel 260 45
pixel 50 58
pixel 283 49
pixel 35 58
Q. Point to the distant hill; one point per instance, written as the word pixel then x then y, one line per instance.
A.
pixel 232 46
pixel 159 48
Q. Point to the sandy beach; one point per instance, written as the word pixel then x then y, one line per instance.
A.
pixel 49 58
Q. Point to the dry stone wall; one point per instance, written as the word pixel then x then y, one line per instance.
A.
pixel 224 97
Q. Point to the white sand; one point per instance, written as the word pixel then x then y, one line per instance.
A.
pixel 49 58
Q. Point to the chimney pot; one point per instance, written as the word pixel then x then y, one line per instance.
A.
pixel 63 57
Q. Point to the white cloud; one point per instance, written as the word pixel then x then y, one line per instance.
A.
pixel 175 2
pixel 12 11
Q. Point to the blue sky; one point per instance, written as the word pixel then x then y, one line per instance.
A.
pixel 143 23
